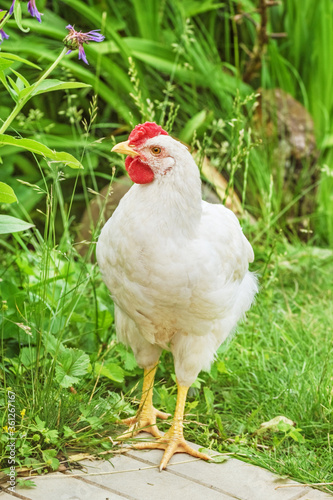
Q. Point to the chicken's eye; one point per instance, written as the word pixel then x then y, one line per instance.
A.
pixel 155 150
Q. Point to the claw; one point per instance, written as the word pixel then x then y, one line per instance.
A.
pixel 171 443
pixel 145 421
pixel 127 421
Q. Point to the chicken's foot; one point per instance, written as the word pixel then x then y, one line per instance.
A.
pixel 145 419
pixel 173 440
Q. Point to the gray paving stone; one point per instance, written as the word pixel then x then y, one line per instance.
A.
pixel 234 477
pixel 5 496
pixel 142 483
pixel 316 495
pixel 64 488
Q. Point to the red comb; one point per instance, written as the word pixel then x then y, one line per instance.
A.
pixel 145 131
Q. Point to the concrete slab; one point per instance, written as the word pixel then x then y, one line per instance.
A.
pixel 5 496
pixel 135 476
pixel 59 487
pixel 235 478
pixel 142 481
pixel 316 495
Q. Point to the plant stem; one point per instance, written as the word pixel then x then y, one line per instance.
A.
pixel 4 20
pixel 19 105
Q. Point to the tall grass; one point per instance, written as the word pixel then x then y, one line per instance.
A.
pixel 197 53
pixel 306 56
pixel 56 333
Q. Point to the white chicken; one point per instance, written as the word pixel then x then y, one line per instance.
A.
pixel 177 270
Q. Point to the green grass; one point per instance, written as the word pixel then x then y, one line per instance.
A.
pixel 57 310
pixel 56 333
pixel 280 363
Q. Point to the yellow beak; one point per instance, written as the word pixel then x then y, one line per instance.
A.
pixel 124 148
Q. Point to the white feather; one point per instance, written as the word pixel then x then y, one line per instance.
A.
pixel 176 266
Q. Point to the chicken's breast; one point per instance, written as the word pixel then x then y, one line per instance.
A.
pixel 168 285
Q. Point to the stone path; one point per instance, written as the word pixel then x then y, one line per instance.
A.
pixel 135 476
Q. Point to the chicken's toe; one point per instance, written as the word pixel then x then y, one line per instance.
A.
pixel 171 445
pixel 180 447
pixel 144 421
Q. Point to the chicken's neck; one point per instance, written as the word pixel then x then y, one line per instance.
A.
pixel 171 203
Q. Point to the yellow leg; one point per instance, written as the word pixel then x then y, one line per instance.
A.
pixel 145 419
pixel 173 441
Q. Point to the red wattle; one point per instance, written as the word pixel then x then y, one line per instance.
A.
pixel 139 172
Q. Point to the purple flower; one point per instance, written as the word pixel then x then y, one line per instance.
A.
pixel 75 40
pixel 11 10
pixel 32 9
pixel 3 36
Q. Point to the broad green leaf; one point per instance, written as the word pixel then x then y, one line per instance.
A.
pixel 15 88
pixel 297 436
pixel 2 14
pixel 209 397
pixel 105 319
pixel 111 371
pixel 194 8
pixel 4 64
pixel 106 93
pixel 68 432
pixel 51 85
pixel 32 463
pixel 9 224
pixel 26 482
pixel 51 435
pixel 50 460
pixel 73 363
pixel 28 356
pixel 130 361
pixel 282 426
pixel 38 148
pixel 18 17
pixel 5 83
pixel 20 84
pixel 15 58
pixel 218 459
pixel 221 367
pixel 7 194
pixel 40 424
pixel 94 422
pixel 20 78
pixel 192 125
pixel 52 343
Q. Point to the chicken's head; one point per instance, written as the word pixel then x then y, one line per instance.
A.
pixel 151 152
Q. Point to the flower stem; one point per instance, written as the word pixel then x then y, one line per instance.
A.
pixel 4 20
pixel 19 105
